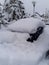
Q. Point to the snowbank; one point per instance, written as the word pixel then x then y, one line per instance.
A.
pixel 15 50
pixel 10 37
pixel 23 52
pixel 28 25
pixel 7 36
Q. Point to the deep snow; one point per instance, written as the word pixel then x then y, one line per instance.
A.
pixel 28 25
pixel 15 50
pixel 22 52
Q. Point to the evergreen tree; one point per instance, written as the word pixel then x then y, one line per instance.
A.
pixel 1 15
pixel 21 7
pixel 14 10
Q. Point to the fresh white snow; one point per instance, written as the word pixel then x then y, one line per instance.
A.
pixel 15 50
pixel 28 25
pixel 6 36
pixel 22 52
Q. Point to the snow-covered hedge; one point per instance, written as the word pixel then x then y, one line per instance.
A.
pixel 28 25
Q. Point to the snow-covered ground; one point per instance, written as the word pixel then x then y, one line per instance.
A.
pixel 15 50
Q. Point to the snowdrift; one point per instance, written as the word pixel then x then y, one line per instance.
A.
pixel 7 36
pixel 28 25
pixel 15 50
pixel 24 53
pixel 11 37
